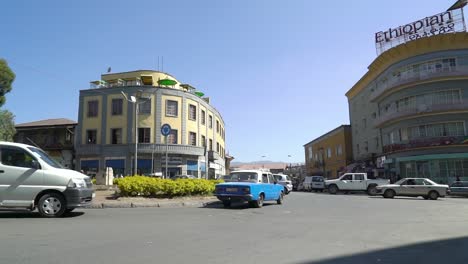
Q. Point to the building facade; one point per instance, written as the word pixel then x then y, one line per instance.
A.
pixel 55 136
pixel 106 132
pixel 330 153
pixel 409 112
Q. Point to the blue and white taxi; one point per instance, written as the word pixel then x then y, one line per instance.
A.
pixel 253 186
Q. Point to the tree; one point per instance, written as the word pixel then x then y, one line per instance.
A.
pixel 7 125
pixel 7 76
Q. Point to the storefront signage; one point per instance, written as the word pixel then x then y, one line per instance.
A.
pixel 443 23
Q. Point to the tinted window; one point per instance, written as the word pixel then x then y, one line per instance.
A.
pixel 358 177
pixel 348 177
pixel 243 176
pixel 16 157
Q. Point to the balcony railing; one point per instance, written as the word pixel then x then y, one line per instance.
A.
pixel 424 143
pixel 421 109
pixel 148 148
pixel 460 70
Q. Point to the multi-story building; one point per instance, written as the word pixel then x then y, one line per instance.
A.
pixel 409 112
pixel 55 136
pixel 106 134
pixel 330 153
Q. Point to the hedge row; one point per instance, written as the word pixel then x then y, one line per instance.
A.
pixel 156 187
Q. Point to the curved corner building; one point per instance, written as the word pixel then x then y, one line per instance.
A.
pixel 105 135
pixel 409 112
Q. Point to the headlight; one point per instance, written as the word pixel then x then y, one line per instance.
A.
pixel 76 183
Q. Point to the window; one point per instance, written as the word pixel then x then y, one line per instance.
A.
pixel 203 141
pixel 16 157
pixel 358 177
pixel 117 106
pixel 348 177
pixel 68 136
pixel 91 136
pixel 172 137
pixel 377 142
pixel 271 179
pixel 116 136
pixel 193 138
pixel 310 153
pixel 192 115
pixel 329 152
pixel 210 121
pixel 374 115
pixel 217 147
pixel 366 146
pixel 211 145
pixel 203 117
pixel 145 107
pixel 93 108
pixel 364 123
pixel 171 108
pixel 339 150
pixel 217 126
pixel 265 178
pixel 144 135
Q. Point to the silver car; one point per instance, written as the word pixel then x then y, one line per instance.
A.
pixel 284 180
pixel 413 187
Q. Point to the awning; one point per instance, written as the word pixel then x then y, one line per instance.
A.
pixel 90 163
pixel 147 79
pixel 115 163
pixel 434 156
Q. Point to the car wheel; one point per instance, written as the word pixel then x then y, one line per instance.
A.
pixel 389 194
pixel 372 190
pixel 259 202
pixel 280 198
pixel 332 189
pixel 51 205
pixel 433 195
pixel 286 190
pixel 226 204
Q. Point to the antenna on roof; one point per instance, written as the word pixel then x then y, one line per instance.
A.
pixel 109 69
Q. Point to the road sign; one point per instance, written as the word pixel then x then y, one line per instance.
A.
pixel 165 129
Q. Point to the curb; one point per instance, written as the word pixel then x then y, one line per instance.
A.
pixel 187 204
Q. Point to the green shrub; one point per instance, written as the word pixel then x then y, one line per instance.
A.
pixel 156 187
pixel 93 181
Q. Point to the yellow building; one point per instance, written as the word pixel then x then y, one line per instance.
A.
pixel 330 153
pixel 105 135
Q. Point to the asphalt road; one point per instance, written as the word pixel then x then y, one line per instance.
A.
pixel 308 228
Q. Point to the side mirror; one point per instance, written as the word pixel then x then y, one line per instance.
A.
pixel 35 164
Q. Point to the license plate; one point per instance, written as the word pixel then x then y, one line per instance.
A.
pixel 231 189
pixel 94 195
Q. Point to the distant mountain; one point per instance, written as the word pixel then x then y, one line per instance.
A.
pixel 259 164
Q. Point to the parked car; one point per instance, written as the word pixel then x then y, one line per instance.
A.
pixel 284 180
pixel 253 186
pixel 414 187
pixel 354 182
pixel 183 177
pixel 30 179
pixel 314 183
pixel 459 188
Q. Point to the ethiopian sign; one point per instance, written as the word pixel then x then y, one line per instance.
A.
pixel 446 22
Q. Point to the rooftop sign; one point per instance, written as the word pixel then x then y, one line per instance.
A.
pixel 446 22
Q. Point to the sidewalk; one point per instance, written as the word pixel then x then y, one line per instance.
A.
pixel 106 199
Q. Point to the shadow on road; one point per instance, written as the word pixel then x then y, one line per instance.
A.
pixel 29 214
pixel 453 251
pixel 405 198
pixel 234 206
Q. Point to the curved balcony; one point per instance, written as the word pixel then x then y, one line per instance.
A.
pixel 147 148
pixel 393 82
pixel 432 142
pixel 421 109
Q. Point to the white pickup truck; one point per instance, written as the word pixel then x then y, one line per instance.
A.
pixel 354 182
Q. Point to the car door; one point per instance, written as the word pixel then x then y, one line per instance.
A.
pixel 266 186
pixel 359 182
pixel 20 179
pixel 407 188
pixel 420 188
pixel 346 182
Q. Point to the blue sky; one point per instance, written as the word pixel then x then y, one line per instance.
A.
pixel 276 70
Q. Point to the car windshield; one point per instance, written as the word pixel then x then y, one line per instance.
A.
pixel 43 156
pixel 243 177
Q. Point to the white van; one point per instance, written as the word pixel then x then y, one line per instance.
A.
pixel 30 179
pixel 314 183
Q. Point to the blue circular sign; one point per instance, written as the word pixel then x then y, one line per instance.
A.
pixel 165 129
